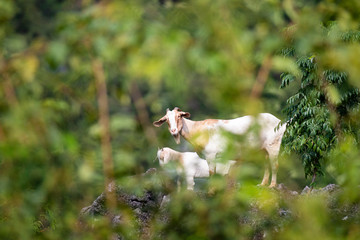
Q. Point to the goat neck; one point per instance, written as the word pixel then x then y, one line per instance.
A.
pixel 174 155
pixel 188 128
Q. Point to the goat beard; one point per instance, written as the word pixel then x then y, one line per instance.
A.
pixel 177 138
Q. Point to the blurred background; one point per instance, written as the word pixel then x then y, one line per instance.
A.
pixel 82 81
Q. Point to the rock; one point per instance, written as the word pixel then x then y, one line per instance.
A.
pixel 306 190
pixel 283 189
pixel 143 205
pixel 116 221
pixel 330 188
pixel 96 208
pixel 284 212
pixel 165 201
pixel 153 201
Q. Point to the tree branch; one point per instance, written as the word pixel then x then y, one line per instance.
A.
pixel 104 121
pixel 261 78
pixel 142 113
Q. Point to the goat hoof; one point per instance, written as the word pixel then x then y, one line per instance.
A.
pixel 261 185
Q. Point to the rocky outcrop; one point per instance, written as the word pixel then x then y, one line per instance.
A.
pixel 143 205
pixel 148 203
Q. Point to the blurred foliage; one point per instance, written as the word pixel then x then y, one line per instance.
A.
pixel 324 108
pixel 217 59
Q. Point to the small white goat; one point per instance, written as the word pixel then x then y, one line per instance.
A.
pixel 190 165
pixel 207 135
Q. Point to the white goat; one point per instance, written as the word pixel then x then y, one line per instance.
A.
pixel 207 136
pixel 190 165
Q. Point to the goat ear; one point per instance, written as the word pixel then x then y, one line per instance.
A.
pixel 185 114
pixel 159 122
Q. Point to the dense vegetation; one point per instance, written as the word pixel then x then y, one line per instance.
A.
pixel 81 82
pixel 323 110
